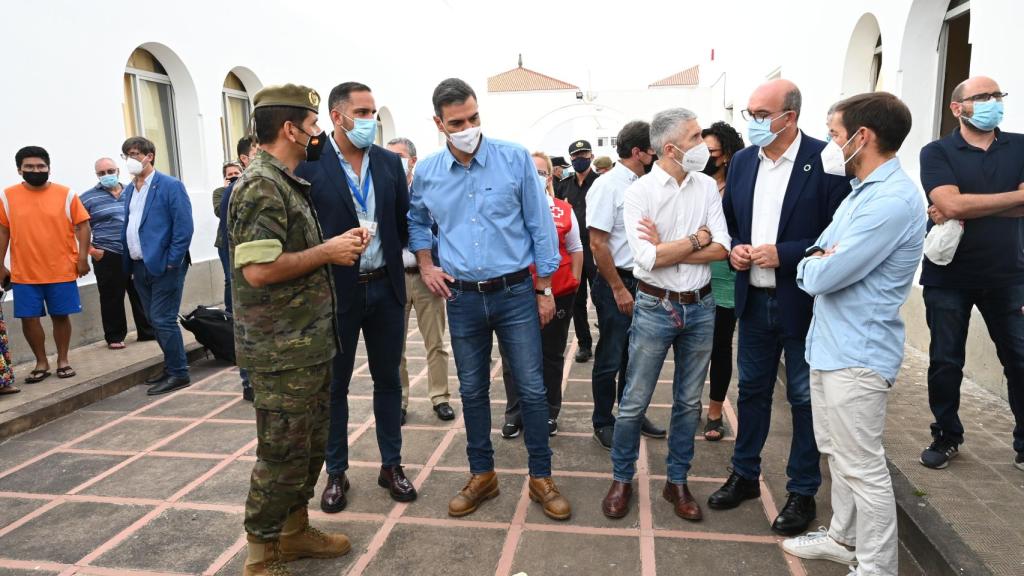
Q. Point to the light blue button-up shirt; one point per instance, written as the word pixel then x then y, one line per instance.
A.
pixel 493 216
pixel 878 236
pixel 135 211
pixel 373 257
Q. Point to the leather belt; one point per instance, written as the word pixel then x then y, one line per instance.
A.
pixel 493 284
pixel 768 291
pixel 412 269
pixel 373 275
pixel 691 297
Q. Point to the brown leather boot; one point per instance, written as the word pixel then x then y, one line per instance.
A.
pixel 300 540
pixel 544 492
pixel 616 503
pixel 684 504
pixel 481 487
pixel 264 559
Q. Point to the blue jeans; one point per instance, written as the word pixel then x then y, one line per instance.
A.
pixel 654 330
pixel 948 311
pixel 473 320
pixel 608 378
pixel 761 343
pixel 374 311
pixel 161 299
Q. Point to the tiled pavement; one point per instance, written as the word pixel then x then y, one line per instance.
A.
pixel 136 485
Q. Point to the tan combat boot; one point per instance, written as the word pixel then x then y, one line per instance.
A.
pixel 264 559
pixel 300 540
pixel 544 492
pixel 481 487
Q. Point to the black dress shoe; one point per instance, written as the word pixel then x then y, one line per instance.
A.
pixel 444 411
pixel 158 378
pixel 796 515
pixel 647 428
pixel 248 395
pixel 604 436
pixel 734 492
pixel 333 499
pixel 584 354
pixel 399 487
pixel 169 384
pixel 404 414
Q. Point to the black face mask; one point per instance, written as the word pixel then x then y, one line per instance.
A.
pixel 649 167
pixel 35 178
pixel 710 168
pixel 232 179
pixel 314 146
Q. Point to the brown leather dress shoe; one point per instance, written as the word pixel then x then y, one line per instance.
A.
pixel 544 492
pixel 333 500
pixel 481 487
pixel 616 503
pixel 685 506
pixel 400 488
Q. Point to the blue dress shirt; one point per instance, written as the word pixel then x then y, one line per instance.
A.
pixel 493 216
pixel 373 256
pixel 878 235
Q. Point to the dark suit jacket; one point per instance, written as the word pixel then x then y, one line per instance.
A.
pixel 165 231
pixel 575 194
pixel 811 199
pixel 336 211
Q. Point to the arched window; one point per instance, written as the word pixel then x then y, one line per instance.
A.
pixel 149 108
pixel 876 66
pixel 954 60
pixel 236 112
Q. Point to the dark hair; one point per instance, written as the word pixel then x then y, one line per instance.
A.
pixel 31 152
pixel 451 91
pixel 341 92
pixel 886 115
pixel 958 92
pixel 792 101
pixel 244 145
pixel 269 119
pixel 224 168
pixel 728 137
pixel 144 146
pixel 636 134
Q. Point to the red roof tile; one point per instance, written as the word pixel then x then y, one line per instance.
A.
pixel 688 77
pixel 525 80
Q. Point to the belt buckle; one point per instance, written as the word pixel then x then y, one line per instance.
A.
pixel 480 286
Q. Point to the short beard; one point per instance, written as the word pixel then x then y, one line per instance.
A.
pixel 964 122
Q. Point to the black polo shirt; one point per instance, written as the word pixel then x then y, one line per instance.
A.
pixel 991 251
pixel 575 194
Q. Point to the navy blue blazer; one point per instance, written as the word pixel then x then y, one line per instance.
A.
pixel 811 199
pixel 166 228
pixel 336 211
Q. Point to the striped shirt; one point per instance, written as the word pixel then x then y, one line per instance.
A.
pixel 106 215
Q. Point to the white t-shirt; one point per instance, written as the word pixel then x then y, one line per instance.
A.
pixel 605 201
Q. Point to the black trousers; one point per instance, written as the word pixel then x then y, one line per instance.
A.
pixel 579 312
pixel 721 352
pixel 113 283
pixel 553 338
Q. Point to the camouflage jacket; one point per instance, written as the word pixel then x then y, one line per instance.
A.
pixel 290 324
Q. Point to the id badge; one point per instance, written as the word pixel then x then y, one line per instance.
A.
pixel 370 225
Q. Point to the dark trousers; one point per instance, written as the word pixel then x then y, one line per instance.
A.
pixel 761 343
pixel 948 311
pixel 374 311
pixel 161 299
pixel 113 283
pixel 579 313
pixel 608 378
pixel 225 263
pixel 721 353
pixel 553 338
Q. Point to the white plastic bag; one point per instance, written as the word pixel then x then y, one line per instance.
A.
pixel 942 240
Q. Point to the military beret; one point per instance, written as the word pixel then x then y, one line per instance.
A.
pixel 603 162
pixel 292 95
pixel 579 146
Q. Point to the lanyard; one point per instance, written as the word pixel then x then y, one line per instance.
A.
pixel 359 195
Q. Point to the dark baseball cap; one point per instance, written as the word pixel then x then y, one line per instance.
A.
pixel 559 161
pixel 579 146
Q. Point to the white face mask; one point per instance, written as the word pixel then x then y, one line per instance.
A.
pixel 405 165
pixel 694 159
pixel 467 140
pixel 134 166
pixel 832 159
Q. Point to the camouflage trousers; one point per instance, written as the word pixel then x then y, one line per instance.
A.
pixel 292 422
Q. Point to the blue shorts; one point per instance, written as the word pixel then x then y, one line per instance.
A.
pixel 60 299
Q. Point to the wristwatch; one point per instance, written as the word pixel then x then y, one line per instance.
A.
pixel 545 292
pixel 810 251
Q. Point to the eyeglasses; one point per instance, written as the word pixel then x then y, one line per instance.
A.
pixel 998 96
pixel 543 173
pixel 761 115
pixel 106 172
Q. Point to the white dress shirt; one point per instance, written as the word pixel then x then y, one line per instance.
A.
pixel 677 211
pixel 604 211
pixel 769 193
pixel 135 211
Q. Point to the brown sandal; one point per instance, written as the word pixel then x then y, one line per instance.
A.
pixel 9 390
pixel 66 372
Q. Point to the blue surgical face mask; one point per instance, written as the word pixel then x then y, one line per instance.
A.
pixel 363 133
pixel 109 181
pixel 987 115
pixel 760 131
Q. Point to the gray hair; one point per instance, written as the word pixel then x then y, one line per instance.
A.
pixel 666 125
pixel 792 101
pixel 404 142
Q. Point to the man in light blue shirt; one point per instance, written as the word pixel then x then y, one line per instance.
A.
pixel 494 223
pixel 859 272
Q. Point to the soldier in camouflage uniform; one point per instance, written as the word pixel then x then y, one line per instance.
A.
pixel 285 334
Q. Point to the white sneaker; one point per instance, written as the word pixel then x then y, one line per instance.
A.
pixel 819 546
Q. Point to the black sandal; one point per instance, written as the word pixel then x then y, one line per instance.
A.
pixel 66 372
pixel 712 426
pixel 37 376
